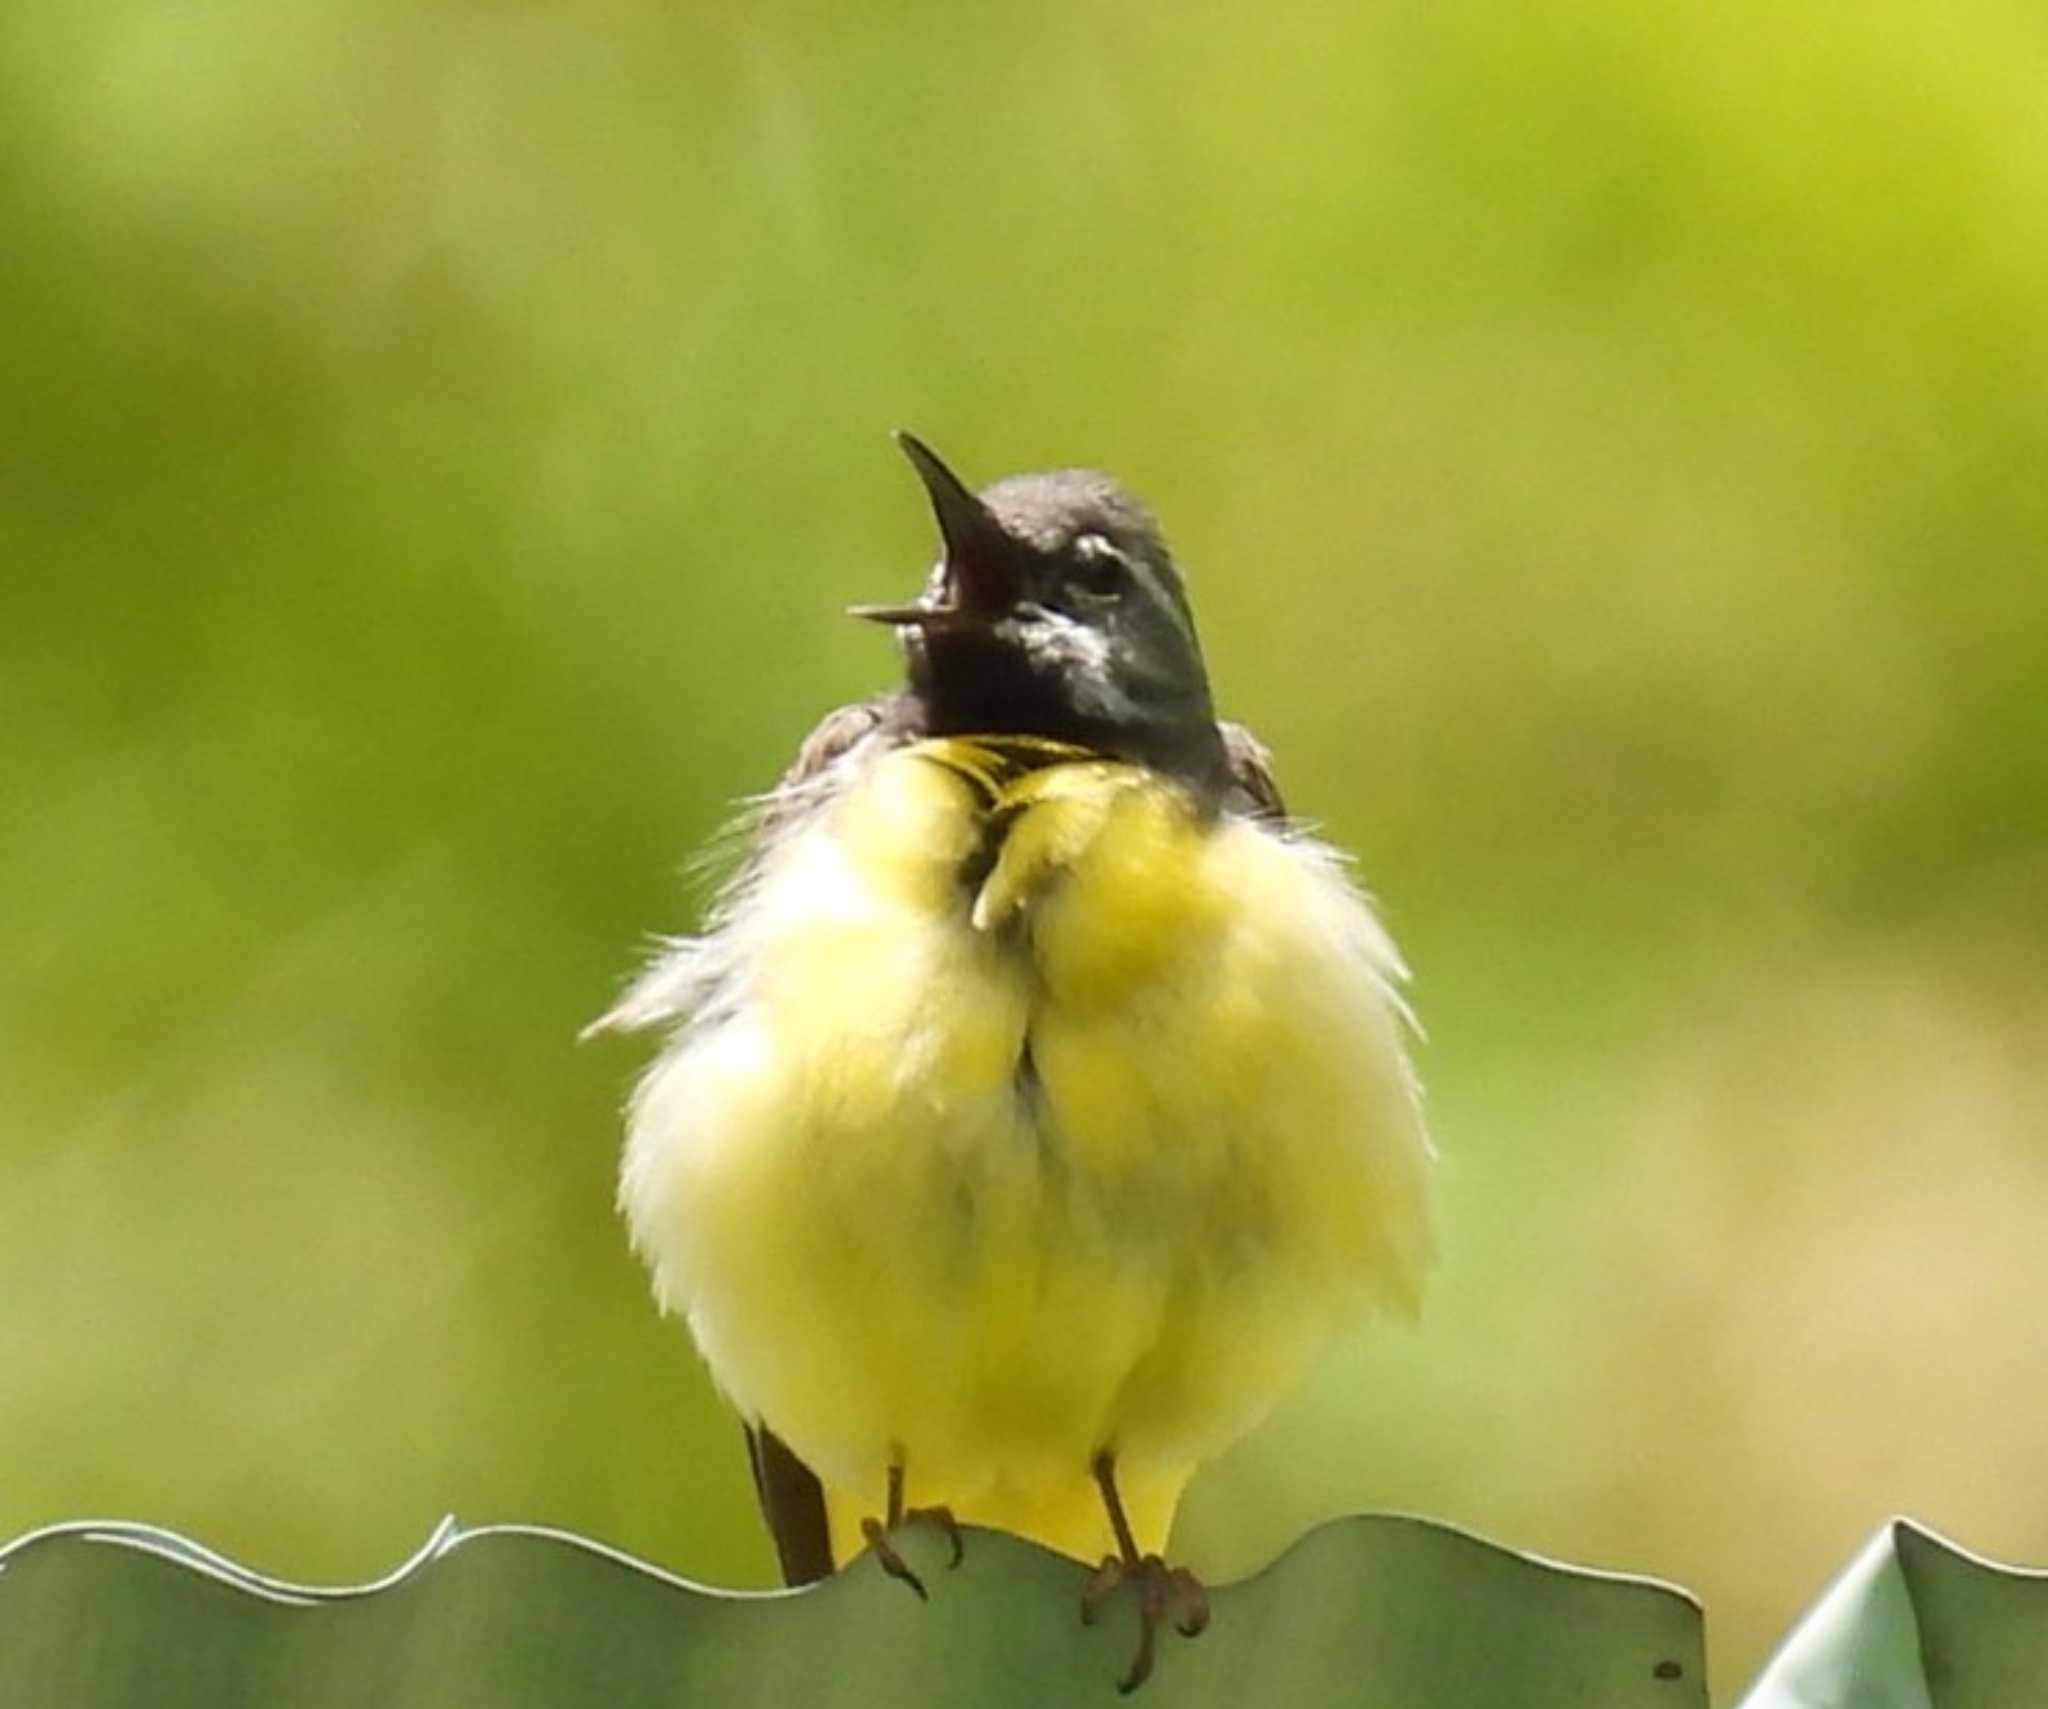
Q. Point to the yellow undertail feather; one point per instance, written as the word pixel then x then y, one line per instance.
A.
pixel 1048 1114
pixel 1067 1516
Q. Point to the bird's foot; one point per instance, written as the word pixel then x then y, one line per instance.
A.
pixel 1160 1587
pixel 876 1531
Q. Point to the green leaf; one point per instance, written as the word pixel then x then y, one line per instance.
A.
pixel 1915 1623
pixel 1382 1611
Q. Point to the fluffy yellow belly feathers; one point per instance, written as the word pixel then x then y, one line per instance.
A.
pixel 1024 1109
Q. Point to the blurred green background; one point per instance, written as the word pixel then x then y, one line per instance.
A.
pixel 1607 443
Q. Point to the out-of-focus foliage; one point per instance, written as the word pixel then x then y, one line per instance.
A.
pixel 1368 1610
pixel 1607 444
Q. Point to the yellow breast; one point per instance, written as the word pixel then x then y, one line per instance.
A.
pixel 1043 1112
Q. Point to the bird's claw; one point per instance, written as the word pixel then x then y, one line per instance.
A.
pixel 941 1519
pixel 885 1552
pixel 888 1559
pixel 1159 1587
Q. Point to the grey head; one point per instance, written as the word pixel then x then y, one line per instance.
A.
pixel 1055 610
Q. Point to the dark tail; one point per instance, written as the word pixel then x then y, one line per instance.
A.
pixel 793 1503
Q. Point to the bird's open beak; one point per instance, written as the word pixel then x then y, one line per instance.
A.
pixel 981 563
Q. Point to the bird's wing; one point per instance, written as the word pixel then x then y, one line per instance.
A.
pixel 792 1499
pixel 1251 771
pixel 686 977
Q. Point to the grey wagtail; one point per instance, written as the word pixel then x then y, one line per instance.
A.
pixel 1035 1101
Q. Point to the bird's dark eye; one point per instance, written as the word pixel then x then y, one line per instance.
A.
pixel 1100 573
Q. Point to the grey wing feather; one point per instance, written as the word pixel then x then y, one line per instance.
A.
pixel 1251 772
pixel 837 734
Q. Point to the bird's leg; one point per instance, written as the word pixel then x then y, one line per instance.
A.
pixel 1158 1584
pixel 876 1531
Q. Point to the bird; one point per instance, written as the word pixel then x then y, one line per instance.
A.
pixel 1036 1099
